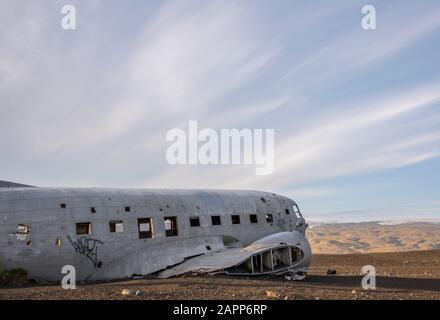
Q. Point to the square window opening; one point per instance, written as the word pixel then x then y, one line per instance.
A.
pixel 145 228
pixel 253 218
pixel 170 226
pixel 194 222
pixel 116 226
pixel 269 217
pixel 83 228
pixel 216 220
pixel 235 218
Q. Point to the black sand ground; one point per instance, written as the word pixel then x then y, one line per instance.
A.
pixel 403 275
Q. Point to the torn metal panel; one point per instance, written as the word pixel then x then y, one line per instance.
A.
pixel 269 255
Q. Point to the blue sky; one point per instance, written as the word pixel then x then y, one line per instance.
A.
pixel 356 113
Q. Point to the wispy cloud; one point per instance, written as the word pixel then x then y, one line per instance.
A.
pixel 92 107
pixel 345 53
pixel 304 193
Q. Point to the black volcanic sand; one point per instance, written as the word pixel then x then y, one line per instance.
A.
pixel 403 275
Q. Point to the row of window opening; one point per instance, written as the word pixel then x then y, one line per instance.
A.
pixel 145 225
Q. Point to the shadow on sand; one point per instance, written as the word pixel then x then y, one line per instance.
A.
pixel 381 282
pixel 312 281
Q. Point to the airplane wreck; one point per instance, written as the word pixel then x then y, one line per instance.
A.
pixel 120 233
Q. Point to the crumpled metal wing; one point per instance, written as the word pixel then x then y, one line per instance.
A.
pixel 275 254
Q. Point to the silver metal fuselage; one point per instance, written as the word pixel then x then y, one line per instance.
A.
pixel 50 215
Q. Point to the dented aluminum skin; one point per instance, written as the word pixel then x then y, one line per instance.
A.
pixel 38 231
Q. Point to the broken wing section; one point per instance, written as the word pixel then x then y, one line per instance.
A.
pixel 279 253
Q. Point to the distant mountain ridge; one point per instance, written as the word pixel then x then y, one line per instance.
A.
pixel 377 236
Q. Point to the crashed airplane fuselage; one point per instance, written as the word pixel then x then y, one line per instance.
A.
pixel 118 233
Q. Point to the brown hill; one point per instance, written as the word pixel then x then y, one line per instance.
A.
pixel 367 237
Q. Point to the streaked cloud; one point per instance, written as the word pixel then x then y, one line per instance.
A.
pixel 93 107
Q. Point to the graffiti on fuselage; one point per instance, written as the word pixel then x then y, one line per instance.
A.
pixel 87 247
